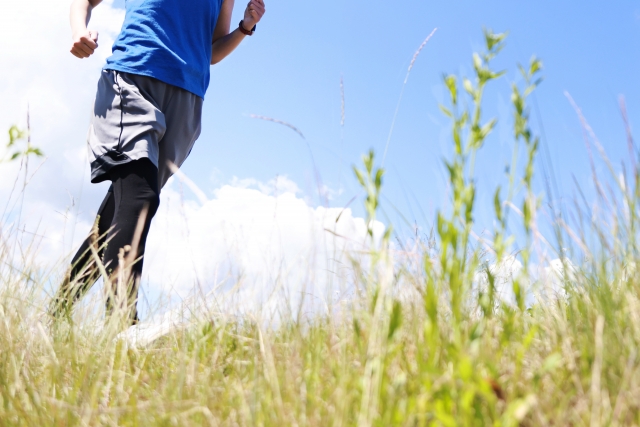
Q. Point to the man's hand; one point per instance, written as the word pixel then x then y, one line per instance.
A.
pixel 253 14
pixel 225 42
pixel 84 44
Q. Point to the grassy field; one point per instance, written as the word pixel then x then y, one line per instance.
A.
pixel 428 340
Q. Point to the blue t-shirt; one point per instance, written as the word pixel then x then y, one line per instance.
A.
pixel 169 40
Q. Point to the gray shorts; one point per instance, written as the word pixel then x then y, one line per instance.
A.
pixel 135 117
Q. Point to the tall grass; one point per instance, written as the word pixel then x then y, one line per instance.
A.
pixel 427 341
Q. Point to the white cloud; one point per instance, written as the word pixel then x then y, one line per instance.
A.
pixel 278 185
pixel 262 237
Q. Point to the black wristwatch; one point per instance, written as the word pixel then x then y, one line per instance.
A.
pixel 244 31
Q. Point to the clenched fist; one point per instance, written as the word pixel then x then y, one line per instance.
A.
pixel 253 14
pixel 84 44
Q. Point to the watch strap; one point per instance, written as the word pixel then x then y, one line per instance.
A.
pixel 245 31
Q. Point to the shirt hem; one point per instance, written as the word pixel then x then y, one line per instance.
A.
pixel 123 69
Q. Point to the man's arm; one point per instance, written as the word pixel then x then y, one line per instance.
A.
pixel 85 42
pixel 223 42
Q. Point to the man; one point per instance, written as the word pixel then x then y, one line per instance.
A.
pixel 146 118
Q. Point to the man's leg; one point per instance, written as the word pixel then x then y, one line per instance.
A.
pixel 136 195
pixel 84 271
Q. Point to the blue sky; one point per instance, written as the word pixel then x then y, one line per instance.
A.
pixel 291 70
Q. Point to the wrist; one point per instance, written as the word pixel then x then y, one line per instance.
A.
pixel 247 27
pixel 76 34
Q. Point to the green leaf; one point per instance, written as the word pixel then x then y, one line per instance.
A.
pixel 477 330
pixel 360 177
pixel 446 111
pixel 523 72
pixel 356 327
pixel 497 75
pixel 387 233
pixel 396 319
pixel 497 204
pixel 368 161
pixel 494 40
pixel 378 180
pixel 486 129
pixel 535 65
pixel 15 134
pixel 35 151
pixel 452 85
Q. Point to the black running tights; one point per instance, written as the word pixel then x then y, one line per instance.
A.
pixel 123 221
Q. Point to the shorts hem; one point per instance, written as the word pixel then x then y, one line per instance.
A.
pixel 101 166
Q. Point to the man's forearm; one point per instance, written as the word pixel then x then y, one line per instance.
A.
pixel 222 47
pixel 85 42
pixel 80 15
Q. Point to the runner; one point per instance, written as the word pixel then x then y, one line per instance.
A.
pixel 146 117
